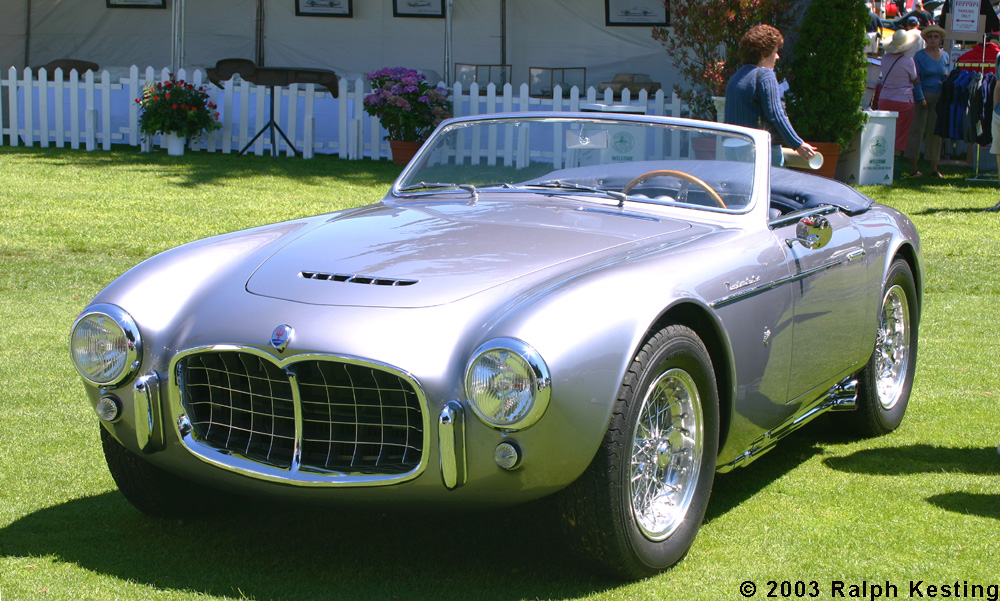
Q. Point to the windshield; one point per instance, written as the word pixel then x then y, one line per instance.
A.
pixel 613 159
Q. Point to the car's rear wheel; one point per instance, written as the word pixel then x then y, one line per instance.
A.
pixel 884 384
pixel 638 507
pixel 151 490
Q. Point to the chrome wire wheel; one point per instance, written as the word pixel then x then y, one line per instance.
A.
pixel 892 347
pixel 666 454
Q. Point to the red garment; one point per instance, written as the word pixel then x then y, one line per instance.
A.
pixel 979 58
pixel 903 120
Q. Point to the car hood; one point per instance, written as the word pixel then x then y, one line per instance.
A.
pixel 432 254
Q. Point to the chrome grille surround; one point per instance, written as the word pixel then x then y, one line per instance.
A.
pixel 309 419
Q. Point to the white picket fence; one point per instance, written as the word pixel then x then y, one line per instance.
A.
pixel 95 112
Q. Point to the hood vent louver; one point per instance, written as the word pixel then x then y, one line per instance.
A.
pixel 353 278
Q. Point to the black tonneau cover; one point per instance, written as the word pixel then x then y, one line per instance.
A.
pixel 800 190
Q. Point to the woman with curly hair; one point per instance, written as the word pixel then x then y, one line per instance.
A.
pixel 753 98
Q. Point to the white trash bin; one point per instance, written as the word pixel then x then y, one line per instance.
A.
pixel 868 161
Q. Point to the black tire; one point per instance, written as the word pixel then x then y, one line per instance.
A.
pixel 151 490
pixel 885 382
pixel 602 512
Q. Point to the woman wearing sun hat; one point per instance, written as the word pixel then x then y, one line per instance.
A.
pixel 900 86
pixel 933 65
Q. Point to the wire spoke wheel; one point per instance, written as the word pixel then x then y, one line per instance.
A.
pixel 666 454
pixel 885 382
pixel 638 507
pixel 892 356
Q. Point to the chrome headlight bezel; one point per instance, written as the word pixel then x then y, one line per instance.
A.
pixel 127 345
pixel 535 375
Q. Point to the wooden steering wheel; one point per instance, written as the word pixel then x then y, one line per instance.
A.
pixel 679 175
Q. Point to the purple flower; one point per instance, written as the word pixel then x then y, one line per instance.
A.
pixel 405 104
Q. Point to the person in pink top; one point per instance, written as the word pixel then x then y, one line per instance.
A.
pixel 900 86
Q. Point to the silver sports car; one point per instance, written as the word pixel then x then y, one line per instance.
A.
pixel 605 308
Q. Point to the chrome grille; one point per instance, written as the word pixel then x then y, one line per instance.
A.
pixel 352 418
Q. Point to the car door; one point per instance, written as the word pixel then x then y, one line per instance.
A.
pixel 828 295
pixel 756 308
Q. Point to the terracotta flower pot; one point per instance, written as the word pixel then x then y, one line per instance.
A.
pixel 402 151
pixel 831 154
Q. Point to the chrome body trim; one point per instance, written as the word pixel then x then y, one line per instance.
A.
pixel 295 474
pixel 299 424
pixel 451 442
pixel 854 255
pixel 732 298
pixel 844 396
pixel 841 397
pixel 148 413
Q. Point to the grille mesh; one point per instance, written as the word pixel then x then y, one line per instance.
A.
pixel 355 419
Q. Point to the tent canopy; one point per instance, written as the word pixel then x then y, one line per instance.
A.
pixel 538 33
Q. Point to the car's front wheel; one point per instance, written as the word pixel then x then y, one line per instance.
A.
pixel 884 384
pixel 637 508
pixel 151 490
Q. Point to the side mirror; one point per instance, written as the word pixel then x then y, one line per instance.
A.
pixel 812 232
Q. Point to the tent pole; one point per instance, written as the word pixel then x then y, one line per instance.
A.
pixel 27 32
pixel 259 40
pixel 447 42
pixel 503 32
pixel 177 44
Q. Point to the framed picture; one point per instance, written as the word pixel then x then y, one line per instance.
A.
pixel 323 8
pixel 639 13
pixel 418 8
pixel 136 3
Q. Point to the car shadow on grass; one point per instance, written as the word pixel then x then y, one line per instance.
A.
pixel 266 551
pixel 929 459
pixel 731 489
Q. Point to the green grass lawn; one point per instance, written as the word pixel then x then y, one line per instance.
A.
pixel 922 504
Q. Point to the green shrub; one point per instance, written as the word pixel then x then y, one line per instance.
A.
pixel 829 72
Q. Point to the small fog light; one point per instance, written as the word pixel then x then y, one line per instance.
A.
pixel 108 409
pixel 507 456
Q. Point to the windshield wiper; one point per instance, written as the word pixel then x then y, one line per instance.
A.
pixel 555 183
pixel 435 185
pixel 427 186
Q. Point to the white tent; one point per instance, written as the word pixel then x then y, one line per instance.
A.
pixel 538 33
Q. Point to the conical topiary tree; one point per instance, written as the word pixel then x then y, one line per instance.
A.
pixel 829 72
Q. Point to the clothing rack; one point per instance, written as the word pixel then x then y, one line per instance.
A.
pixel 983 66
pixel 976 59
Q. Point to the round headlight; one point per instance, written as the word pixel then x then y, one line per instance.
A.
pixel 105 345
pixel 507 384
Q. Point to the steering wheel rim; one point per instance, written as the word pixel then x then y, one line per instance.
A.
pixel 679 175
